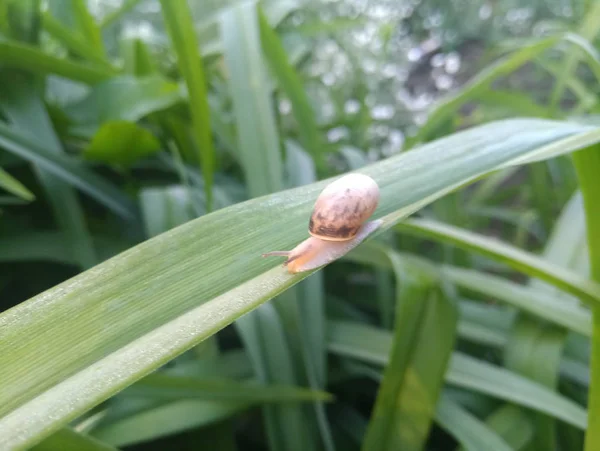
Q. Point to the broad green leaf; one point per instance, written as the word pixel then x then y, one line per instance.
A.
pixel 12 185
pixel 587 163
pixel 67 169
pixel 121 143
pixel 128 316
pixel 473 434
pixel 178 21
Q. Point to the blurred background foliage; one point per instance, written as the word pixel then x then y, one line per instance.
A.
pixel 112 133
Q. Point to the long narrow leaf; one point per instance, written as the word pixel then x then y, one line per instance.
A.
pixel 178 20
pixel 128 316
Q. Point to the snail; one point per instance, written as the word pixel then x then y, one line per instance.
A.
pixel 337 224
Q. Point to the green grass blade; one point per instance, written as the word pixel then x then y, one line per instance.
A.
pixel 115 16
pixel 126 98
pixel 28 115
pixel 68 439
pixel 258 143
pixel 87 25
pixel 473 434
pixel 310 303
pixel 448 106
pixel 587 164
pixel 536 302
pixel 93 335
pixel 424 334
pixel 518 259
pixel 73 41
pixel 588 30
pixel 167 419
pixel 291 85
pixel 178 20
pixel 164 386
pixel 373 345
pixel 67 169
pixel 270 336
pixel 12 185
pixel 22 56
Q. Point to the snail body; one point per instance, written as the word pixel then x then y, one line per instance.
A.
pixel 337 225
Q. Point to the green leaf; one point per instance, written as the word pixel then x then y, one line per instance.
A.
pixel 291 84
pixel 166 419
pixel 24 107
pixel 531 300
pixel 258 143
pixel 587 163
pixel 424 334
pixel 22 56
pixel 518 259
pixel 75 345
pixel 473 434
pixel 126 98
pixel 178 21
pixel 121 143
pixel 67 169
pixel 87 25
pixel 164 386
pixel 12 185
pixel 73 41
pixel 68 439
pixel 373 345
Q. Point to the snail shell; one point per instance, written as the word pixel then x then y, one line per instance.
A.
pixel 337 224
pixel 343 207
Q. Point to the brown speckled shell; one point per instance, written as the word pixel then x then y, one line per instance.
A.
pixel 343 207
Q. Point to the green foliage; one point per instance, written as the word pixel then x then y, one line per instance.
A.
pixel 145 169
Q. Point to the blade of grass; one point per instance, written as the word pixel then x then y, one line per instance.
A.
pixel 473 434
pixel 87 25
pixel 68 439
pixel 273 347
pixel 12 185
pixel 424 334
pixel 28 116
pixel 372 345
pixel 588 30
pixel 258 143
pixel 310 303
pixel 518 259
pixel 178 20
pixel 67 169
pixel 77 344
pixel 291 84
pixel 23 56
pixel 118 13
pixel 74 41
pixel 587 164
